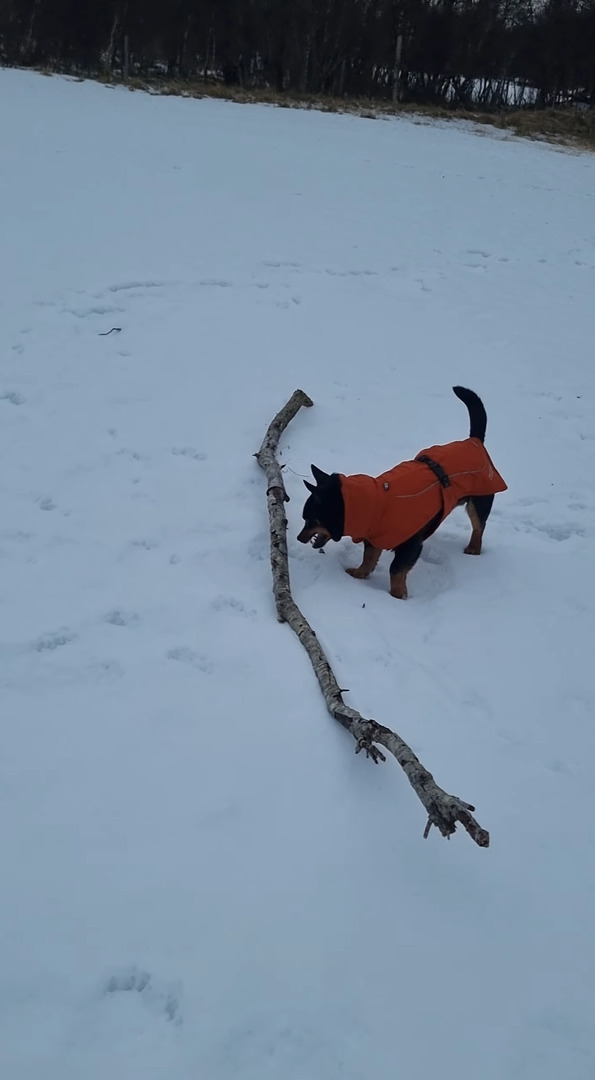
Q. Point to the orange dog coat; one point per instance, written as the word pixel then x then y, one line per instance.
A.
pixel 389 509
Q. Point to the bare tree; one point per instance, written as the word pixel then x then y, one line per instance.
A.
pixel 456 52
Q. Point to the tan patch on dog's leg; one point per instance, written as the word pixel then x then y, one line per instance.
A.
pixel 398 585
pixel 474 545
pixel 369 562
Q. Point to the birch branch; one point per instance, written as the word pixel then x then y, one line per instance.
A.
pixel 443 810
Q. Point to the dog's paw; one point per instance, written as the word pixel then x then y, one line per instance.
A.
pixel 356 572
pixel 473 549
pixel 398 586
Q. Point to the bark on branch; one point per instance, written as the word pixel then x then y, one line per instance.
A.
pixel 443 810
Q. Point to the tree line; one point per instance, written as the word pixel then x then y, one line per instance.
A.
pixel 468 53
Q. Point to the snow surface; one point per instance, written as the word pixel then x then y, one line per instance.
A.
pixel 199 877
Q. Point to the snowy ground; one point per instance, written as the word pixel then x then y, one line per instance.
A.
pixel 199 877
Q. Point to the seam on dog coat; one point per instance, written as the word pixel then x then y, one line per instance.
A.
pixel 389 509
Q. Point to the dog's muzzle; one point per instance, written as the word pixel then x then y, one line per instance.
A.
pixel 319 540
pixel 316 539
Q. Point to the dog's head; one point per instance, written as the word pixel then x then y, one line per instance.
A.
pixel 319 519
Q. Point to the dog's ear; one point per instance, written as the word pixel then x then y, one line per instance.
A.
pixel 309 485
pixel 319 475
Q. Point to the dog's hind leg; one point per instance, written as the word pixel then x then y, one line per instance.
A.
pixel 478 508
pixel 406 556
pixel 369 562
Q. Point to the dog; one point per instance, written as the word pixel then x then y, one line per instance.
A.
pixel 401 508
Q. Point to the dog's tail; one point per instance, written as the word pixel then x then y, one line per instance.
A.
pixel 478 417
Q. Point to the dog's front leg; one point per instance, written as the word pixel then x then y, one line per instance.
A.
pixel 406 556
pixel 369 562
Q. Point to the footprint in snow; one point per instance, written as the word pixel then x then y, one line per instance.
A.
pixel 433 557
pixel 559 532
pixel 125 286
pixel 189 452
pixel 134 455
pixel 117 617
pixel 159 996
pixel 18 535
pixel 52 641
pixel 126 981
pixel 12 396
pixel 46 503
pixel 556 765
pixel 529 501
pixel 184 655
pixel 233 603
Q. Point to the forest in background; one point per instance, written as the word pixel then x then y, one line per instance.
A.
pixel 488 54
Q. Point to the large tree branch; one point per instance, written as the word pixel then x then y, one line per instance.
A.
pixel 444 811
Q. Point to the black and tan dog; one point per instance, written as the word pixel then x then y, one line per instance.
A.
pixel 401 508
